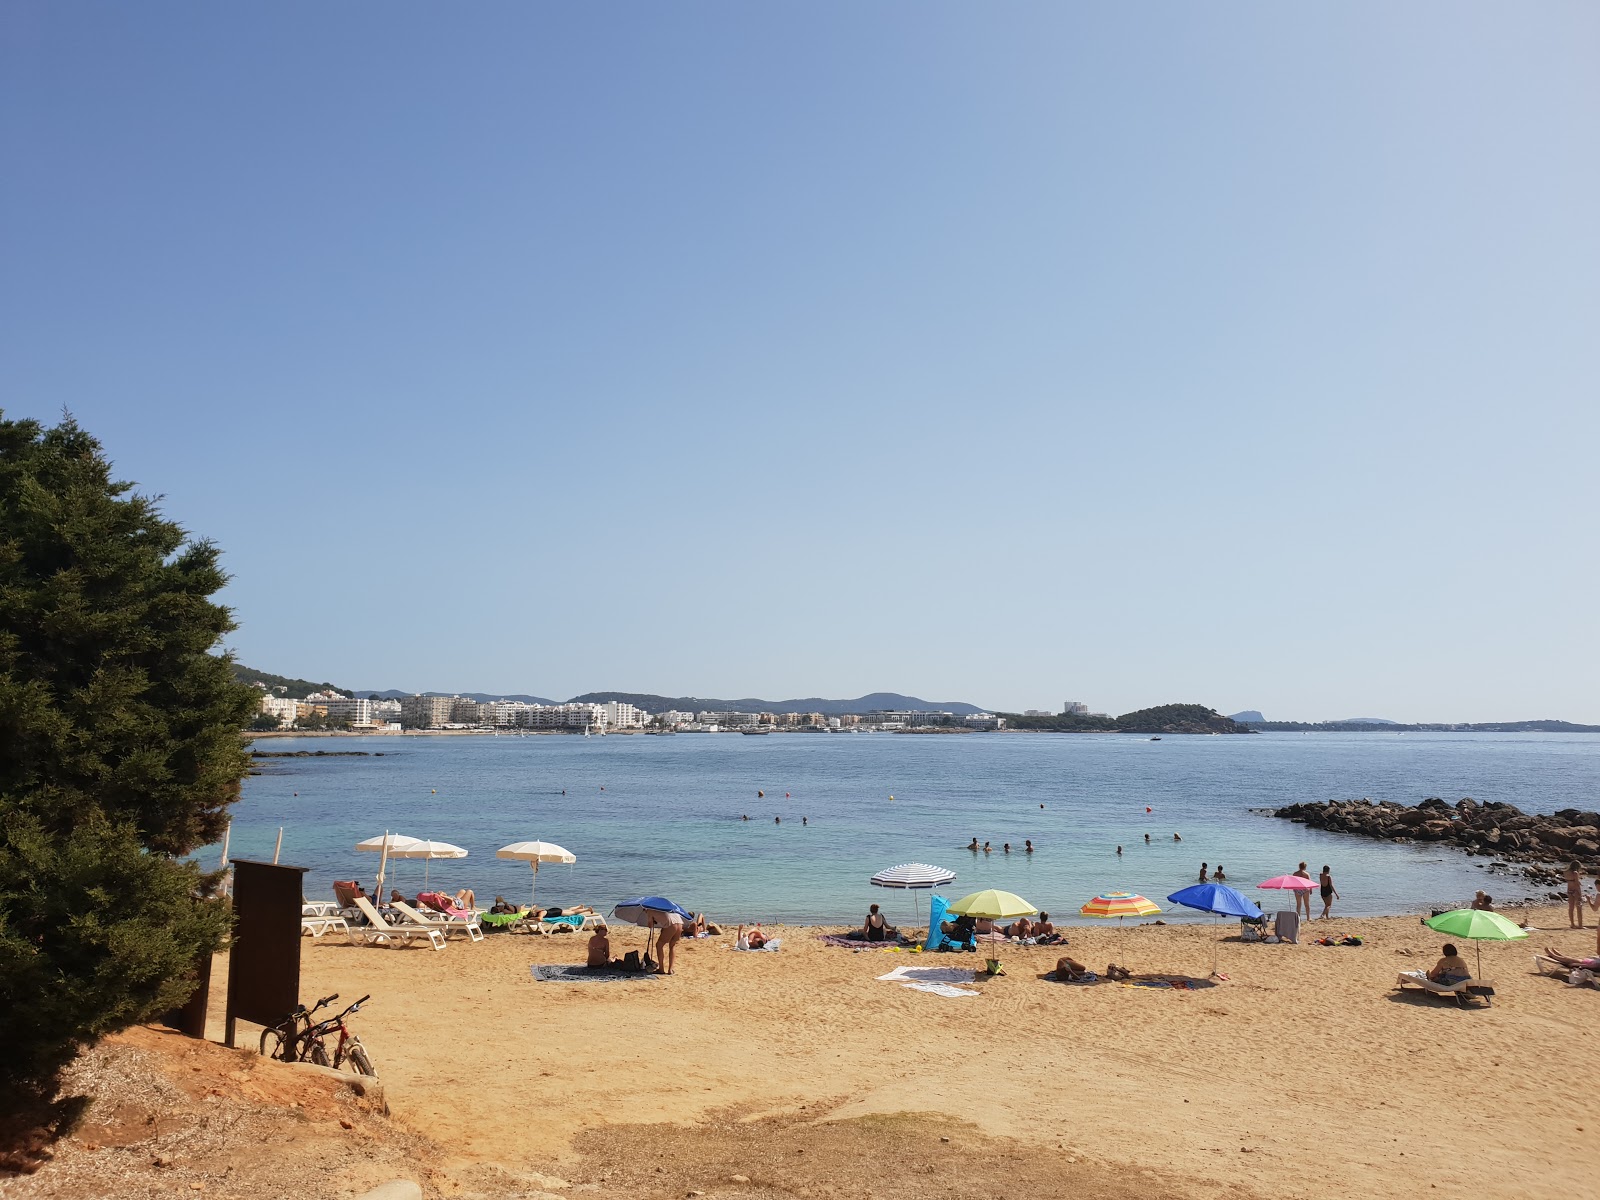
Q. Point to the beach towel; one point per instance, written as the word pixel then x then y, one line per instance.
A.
pixel 578 973
pixel 928 975
pixel 1086 977
pixel 772 945
pixel 573 919
pixel 497 919
pixel 1173 982
pixel 941 989
pixel 846 943
pixel 1286 925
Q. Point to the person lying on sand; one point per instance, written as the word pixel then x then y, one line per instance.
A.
pixel 753 940
pixel 599 950
pixel 1115 972
pixel 962 928
pixel 1020 928
pixel 1069 969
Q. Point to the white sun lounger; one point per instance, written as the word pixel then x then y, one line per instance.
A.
pixel 380 931
pixel 1461 991
pixel 317 926
pixel 443 922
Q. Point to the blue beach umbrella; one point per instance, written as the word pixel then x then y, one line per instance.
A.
pixel 645 911
pixel 1219 899
pixel 1216 898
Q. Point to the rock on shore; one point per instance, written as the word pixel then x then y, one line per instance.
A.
pixel 1543 845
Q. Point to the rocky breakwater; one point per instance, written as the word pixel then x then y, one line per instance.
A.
pixel 1539 846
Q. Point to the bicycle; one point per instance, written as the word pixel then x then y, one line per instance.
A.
pixel 285 1040
pixel 348 1047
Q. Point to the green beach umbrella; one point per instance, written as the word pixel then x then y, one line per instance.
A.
pixel 1479 925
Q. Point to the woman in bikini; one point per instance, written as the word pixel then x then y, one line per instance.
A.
pixel 875 928
pixel 1574 896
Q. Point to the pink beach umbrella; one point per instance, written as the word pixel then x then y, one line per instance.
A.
pixel 1292 883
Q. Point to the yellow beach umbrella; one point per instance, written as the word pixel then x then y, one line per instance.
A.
pixel 993 904
pixel 1120 904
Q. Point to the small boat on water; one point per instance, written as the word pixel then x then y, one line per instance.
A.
pixel 755 732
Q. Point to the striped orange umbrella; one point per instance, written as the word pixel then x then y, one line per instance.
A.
pixel 1119 904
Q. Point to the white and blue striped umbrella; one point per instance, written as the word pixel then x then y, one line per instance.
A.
pixel 913 877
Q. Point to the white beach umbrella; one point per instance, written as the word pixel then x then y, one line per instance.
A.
pixel 427 851
pixel 386 846
pixel 534 853
pixel 915 877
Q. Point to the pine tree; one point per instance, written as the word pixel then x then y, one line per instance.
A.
pixel 119 751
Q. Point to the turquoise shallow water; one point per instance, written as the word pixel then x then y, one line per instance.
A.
pixel 662 814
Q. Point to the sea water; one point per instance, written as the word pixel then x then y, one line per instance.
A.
pixel 664 815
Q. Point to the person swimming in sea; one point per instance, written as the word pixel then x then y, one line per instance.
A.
pixel 988 849
pixel 1119 851
pixel 973 844
pixel 1218 876
pixel 1147 839
pixel 1027 846
pixel 1007 847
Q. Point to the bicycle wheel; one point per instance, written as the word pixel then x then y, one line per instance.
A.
pixel 319 1054
pixel 359 1060
pixel 272 1044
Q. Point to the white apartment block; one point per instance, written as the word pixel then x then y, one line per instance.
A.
pixel 729 720
pixel 277 706
pixel 464 711
pixel 623 716
pixel 349 709
pixel 567 716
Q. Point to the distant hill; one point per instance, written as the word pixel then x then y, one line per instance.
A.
pixel 298 689
pixel 1370 726
pixel 1165 718
pixel 401 694
pixel 873 702
pixel 1249 716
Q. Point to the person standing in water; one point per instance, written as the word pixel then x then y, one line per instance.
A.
pixel 973 845
pixel 1204 878
pixel 1119 851
pixel 1302 896
pixel 1329 894
pixel 1218 876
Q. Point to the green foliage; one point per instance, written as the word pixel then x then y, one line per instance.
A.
pixel 295 689
pixel 97 934
pixel 119 748
pixel 1166 718
pixel 265 723
pixel 313 722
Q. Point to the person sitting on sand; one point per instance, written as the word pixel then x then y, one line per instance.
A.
pixel 1042 927
pixel 1115 972
pixel 1069 969
pixel 1451 968
pixel 876 927
pixel 1020 928
pixel 1483 902
pixel 961 929
pixel 599 950
pixel 754 940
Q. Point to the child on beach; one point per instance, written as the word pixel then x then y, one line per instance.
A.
pixel 1574 896
pixel 1218 875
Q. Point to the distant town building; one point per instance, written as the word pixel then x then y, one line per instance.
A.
pixel 623 716
pixel 1074 708
pixel 567 716
pixel 911 718
pixel 426 712
pixel 347 710
pixel 464 711
pixel 1036 712
pixel 285 710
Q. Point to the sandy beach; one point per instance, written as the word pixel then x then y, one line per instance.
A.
pixel 800 1072
pixel 1304 1074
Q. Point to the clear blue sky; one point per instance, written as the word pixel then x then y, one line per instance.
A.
pixel 1244 353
